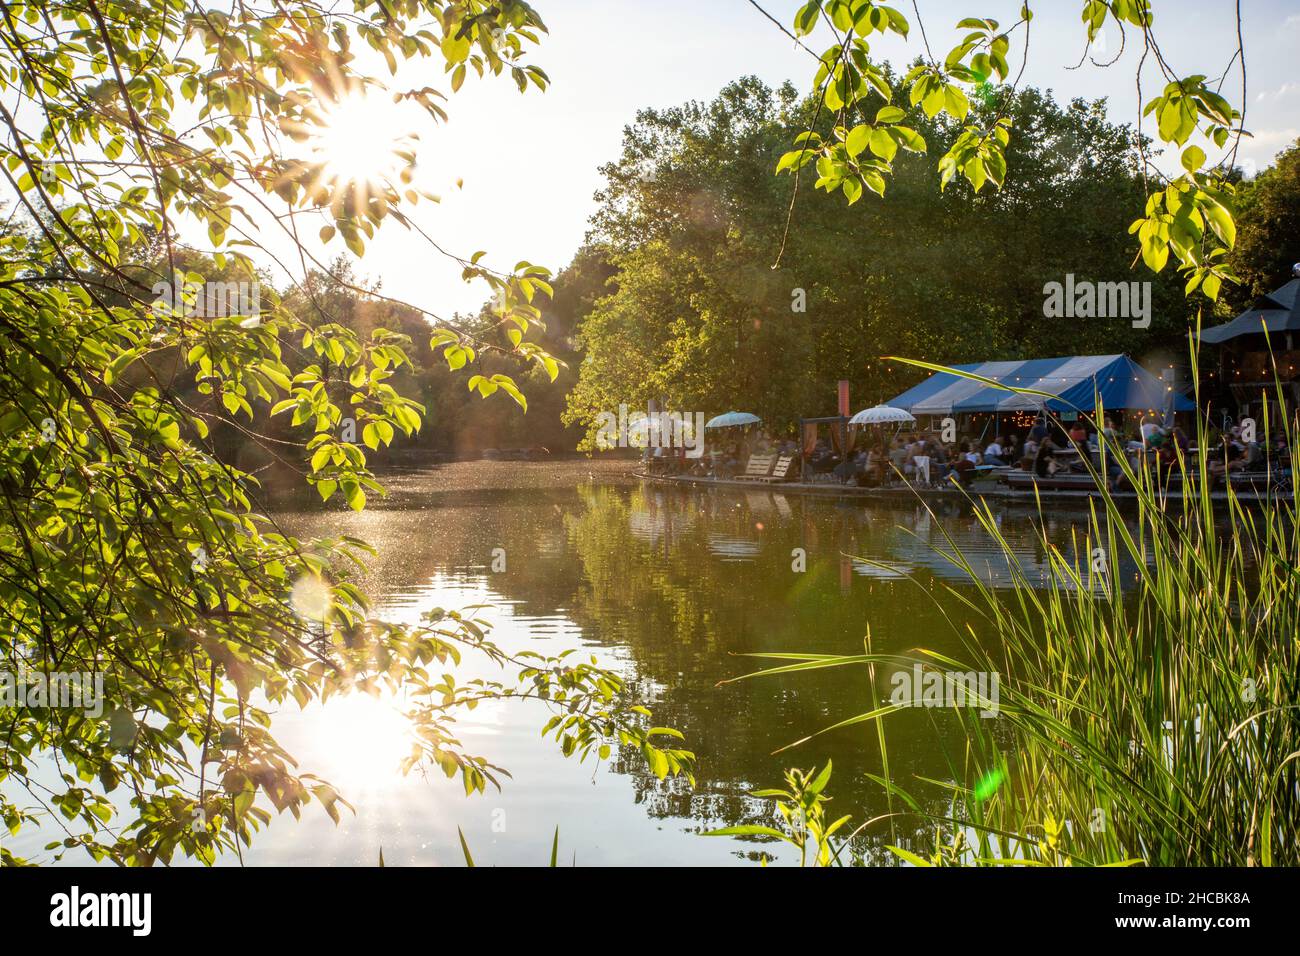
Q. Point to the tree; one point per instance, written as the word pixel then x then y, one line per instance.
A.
pixel 130 550
pixel 694 218
pixel 1268 236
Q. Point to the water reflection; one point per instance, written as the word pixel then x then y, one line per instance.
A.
pixel 672 588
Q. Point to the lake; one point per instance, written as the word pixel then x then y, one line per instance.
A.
pixel 671 587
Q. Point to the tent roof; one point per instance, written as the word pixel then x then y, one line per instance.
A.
pixel 1073 379
pixel 1279 311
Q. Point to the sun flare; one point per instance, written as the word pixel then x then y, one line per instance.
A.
pixel 360 741
pixel 364 140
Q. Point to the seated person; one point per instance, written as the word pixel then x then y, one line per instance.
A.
pixel 1045 463
pixel 939 463
pixel 898 456
pixel 993 454
pixel 823 459
pixel 1230 459
pixel 851 467
pixel 873 467
pixel 1152 433
pixel 1279 455
pixel 963 469
pixel 1028 453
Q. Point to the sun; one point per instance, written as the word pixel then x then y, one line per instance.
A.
pixel 363 140
pixel 359 741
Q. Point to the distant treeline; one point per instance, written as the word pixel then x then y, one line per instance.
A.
pixel 675 294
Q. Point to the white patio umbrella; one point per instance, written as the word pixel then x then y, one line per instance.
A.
pixel 732 420
pixel 882 415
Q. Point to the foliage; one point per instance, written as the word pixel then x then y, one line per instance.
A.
pixel 1268 234
pixel 127 546
pixel 803 807
pixel 469 858
pixel 1190 215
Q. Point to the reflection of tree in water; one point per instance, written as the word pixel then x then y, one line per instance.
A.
pixel 656 582
pixel 678 583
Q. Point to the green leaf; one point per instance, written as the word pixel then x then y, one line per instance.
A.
pixel 1193 158
pixel 354 496
pixel 1221 222
pixel 806 19
pixel 883 145
pixel 908 855
pixel 469 860
pixel 857 140
pixel 955 101
pixel 746 830
pixel 819 783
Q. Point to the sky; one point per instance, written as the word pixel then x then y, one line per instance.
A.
pixel 528 163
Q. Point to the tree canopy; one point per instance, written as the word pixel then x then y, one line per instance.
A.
pixel 133 543
pixel 692 217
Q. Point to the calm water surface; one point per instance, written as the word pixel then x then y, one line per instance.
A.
pixel 670 587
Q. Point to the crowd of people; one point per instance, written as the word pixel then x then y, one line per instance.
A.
pixel 1047 449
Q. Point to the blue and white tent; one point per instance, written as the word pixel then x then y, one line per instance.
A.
pixel 1074 380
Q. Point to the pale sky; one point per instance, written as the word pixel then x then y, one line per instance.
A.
pixel 529 162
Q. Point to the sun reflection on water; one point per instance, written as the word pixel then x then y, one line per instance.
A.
pixel 358 742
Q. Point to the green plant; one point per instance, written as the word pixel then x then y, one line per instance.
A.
pixel 1190 215
pixel 803 807
pixel 469 858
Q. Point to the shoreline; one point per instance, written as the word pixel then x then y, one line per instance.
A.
pixel 978 492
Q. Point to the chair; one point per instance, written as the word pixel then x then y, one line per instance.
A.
pixel 781 472
pixel 757 468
